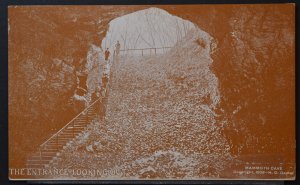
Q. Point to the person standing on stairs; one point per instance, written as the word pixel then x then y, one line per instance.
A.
pixel 105 76
pixel 95 61
pixel 106 54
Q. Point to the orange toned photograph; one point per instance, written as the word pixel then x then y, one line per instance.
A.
pixel 152 92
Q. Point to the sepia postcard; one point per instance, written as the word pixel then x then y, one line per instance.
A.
pixel 152 92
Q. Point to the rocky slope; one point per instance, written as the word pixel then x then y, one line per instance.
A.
pixel 161 120
pixel 255 64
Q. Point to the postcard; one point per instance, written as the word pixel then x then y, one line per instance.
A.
pixel 152 92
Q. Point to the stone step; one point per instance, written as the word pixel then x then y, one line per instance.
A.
pixel 46 154
pixel 54 142
pixel 66 138
pixel 80 122
pixel 51 150
pixel 69 133
pixel 62 137
pixel 71 129
pixel 77 130
pixel 56 145
pixel 36 165
pixel 44 157
pixel 79 127
pixel 38 161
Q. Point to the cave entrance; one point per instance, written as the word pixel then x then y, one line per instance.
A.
pixel 146 32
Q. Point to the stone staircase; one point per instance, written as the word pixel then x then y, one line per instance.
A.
pixel 49 151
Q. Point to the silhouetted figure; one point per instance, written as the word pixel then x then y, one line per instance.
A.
pixel 106 54
pixel 81 81
pixel 118 46
pixel 78 100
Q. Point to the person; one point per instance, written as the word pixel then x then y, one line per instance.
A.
pixel 118 46
pixel 107 53
pixel 81 81
pixel 106 68
pixel 78 100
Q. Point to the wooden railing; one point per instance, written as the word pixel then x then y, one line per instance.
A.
pixel 143 51
pixel 71 124
pixel 48 152
pixel 49 149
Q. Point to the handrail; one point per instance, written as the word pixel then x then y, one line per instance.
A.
pixel 58 132
pixel 55 136
pixel 144 48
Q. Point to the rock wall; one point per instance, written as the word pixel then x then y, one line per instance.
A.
pixel 47 45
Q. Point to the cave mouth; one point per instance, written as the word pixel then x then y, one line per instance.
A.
pixel 153 31
pixel 148 31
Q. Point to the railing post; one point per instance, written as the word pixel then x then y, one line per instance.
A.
pixel 155 51
pixel 142 52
